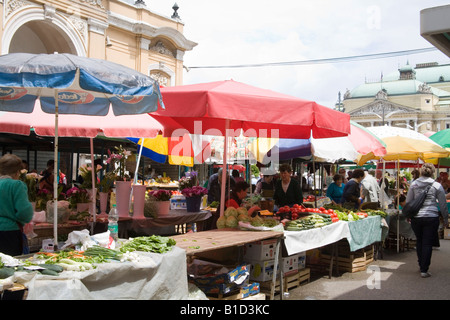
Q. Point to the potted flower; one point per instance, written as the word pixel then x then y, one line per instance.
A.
pixel 117 162
pixel 42 196
pixel 78 198
pixel 106 185
pixel 194 197
pixel 86 174
pixel 162 200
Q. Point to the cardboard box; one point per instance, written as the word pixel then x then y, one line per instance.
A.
pixel 260 250
pixel 290 263
pixel 261 270
pixel 447 234
pixel 177 202
pixel 302 260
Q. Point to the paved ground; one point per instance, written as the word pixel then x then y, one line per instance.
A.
pixel 395 277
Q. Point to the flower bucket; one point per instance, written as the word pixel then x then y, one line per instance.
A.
pixel 193 204
pixel 139 201
pixel 162 207
pixel 123 191
pixel 83 206
pixel 103 201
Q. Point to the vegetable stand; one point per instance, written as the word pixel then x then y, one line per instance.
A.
pixel 148 275
pixel 200 242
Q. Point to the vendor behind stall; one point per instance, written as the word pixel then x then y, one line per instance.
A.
pixel 351 197
pixel 336 189
pixel 266 186
pixel 287 190
pixel 239 193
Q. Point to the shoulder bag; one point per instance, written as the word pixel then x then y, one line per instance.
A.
pixel 412 208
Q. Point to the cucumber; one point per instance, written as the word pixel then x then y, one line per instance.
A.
pixel 53 267
pixel 6 272
pixel 49 272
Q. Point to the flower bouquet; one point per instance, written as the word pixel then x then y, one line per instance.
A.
pixel 107 182
pixel 30 180
pixel 86 174
pixel 78 195
pixel 42 196
pixel 160 195
pixel 194 197
pixel 195 191
pixel 117 161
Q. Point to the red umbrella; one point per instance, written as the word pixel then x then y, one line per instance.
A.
pixel 216 108
pixel 249 108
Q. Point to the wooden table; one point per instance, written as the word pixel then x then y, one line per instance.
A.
pixel 198 242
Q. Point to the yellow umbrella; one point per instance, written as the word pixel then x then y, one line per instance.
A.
pixel 404 144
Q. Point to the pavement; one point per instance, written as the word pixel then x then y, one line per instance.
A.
pixel 394 277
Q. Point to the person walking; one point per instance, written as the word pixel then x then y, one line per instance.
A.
pixel 15 208
pixel 426 223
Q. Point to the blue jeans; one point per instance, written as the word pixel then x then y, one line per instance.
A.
pixel 425 230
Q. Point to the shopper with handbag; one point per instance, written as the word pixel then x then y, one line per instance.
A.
pixel 425 223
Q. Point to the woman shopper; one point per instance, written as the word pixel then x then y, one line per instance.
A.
pixel 351 196
pixel 426 223
pixel 15 209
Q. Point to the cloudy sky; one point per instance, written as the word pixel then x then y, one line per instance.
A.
pixel 240 32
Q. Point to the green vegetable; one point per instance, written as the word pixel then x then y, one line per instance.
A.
pixel 53 267
pixel 49 272
pixel 103 253
pixel 157 244
pixel 6 272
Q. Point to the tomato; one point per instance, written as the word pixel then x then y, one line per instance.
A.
pixel 322 209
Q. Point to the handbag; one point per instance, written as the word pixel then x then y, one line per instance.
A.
pixel 412 207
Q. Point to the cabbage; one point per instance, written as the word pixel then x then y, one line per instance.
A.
pixel 221 222
pixel 231 222
pixel 242 210
pixel 243 217
pixel 231 211
pixel 257 221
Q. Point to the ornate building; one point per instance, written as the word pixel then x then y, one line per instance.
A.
pixel 122 31
pixel 413 97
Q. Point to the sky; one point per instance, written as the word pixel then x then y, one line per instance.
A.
pixel 240 32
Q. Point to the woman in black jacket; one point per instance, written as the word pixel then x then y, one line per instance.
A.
pixel 287 190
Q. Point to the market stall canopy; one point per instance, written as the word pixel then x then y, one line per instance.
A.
pixel 75 125
pixel 69 84
pixel 206 108
pixel 85 85
pixel 404 144
pixel 359 142
pixel 442 138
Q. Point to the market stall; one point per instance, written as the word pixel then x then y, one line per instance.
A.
pixel 167 222
pixel 141 268
pixel 212 240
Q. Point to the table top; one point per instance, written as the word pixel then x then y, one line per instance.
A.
pixel 197 242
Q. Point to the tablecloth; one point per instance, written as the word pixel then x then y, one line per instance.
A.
pixel 364 232
pixel 300 241
pixel 154 276
pixel 359 234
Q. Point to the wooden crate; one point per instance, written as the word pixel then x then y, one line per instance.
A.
pixel 348 261
pixel 290 281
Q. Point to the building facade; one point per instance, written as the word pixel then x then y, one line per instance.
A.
pixel 122 31
pixel 416 97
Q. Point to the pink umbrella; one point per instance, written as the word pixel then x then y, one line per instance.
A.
pixel 216 108
pixel 74 125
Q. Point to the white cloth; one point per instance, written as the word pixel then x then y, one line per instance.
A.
pixel 299 241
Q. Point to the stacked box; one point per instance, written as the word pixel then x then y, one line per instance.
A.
pixel 222 283
pixel 260 250
pixel 177 202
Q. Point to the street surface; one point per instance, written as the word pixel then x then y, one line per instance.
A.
pixel 395 277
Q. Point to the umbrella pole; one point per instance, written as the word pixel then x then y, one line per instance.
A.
pixel 397 203
pixel 136 173
pixel 224 169
pixel 55 178
pixel 94 190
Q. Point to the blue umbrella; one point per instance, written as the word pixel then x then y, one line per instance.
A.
pixel 69 84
